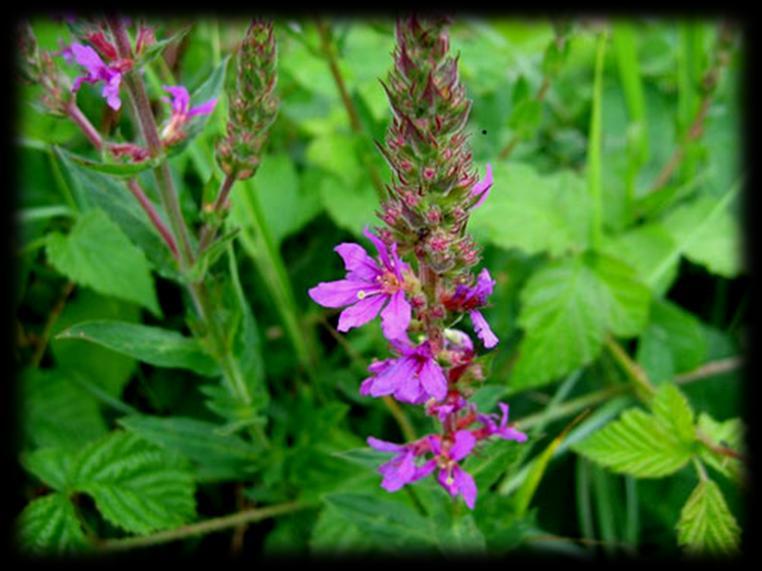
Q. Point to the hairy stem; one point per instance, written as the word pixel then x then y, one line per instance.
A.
pixel 152 214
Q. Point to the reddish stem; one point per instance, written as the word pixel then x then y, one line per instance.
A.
pixel 150 210
pixel 84 124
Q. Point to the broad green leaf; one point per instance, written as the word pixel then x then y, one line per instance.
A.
pixel 279 191
pixel 463 536
pixel 49 525
pixel 644 249
pixel 351 206
pixel 97 190
pixel 97 254
pixel 56 412
pixel 136 485
pixel 366 457
pixel 568 306
pixel 533 212
pixel 706 526
pixel 100 366
pixel 707 233
pixel 672 408
pixel 490 463
pixel 728 433
pixel 51 465
pixel 152 345
pixel 217 456
pixel 673 342
pixel 334 534
pixel 637 444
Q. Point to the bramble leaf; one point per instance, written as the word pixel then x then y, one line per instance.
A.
pixel 706 526
pixel 50 525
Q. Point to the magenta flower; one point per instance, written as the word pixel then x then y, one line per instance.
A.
pixel 503 430
pixel 413 377
pixel 182 112
pixel 470 299
pixel 97 71
pixel 454 479
pixel 401 469
pixel 480 191
pixel 367 287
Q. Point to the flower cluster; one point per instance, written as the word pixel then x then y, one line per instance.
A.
pixel 433 191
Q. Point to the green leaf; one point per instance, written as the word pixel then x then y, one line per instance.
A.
pixel 673 342
pixel 637 444
pixel 55 412
pixel 568 306
pixel 728 433
pixel 97 254
pixel 96 190
pixel 708 234
pixel 100 366
pixel 645 248
pixel 534 213
pixel 280 190
pixel 673 409
pixel 152 345
pixel 50 525
pixel 706 526
pixel 52 466
pixel 217 456
pixel 137 486
pixel 116 169
pixel 492 461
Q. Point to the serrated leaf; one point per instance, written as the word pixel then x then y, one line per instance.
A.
pixel 728 433
pixel 673 409
pixel 568 306
pixel 116 169
pixel 50 525
pixel 136 485
pixel 97 254
pixel 217 456
pixel 706 526
pixel 152 345
pixel 51 465
pixel 55 412
pixel 636 444
pixel 533 212
pixel 707 234
pixel 673 342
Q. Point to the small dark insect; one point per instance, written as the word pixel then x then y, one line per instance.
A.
pixel 484 131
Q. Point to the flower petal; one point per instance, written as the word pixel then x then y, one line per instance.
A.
pixel 424 470
pixel 383 445
pixel 180 98
pixel 482 328
pixel 383 252
pixel 361 312
pixel 393 378
pixel 484 285
pixel 481 189
pixel 404 470
pixel 433 379
pixel 395 318
pixel 465 485
pixel 341 292
pixel 357 262
pixel 463 444
pixel 111 92
pixel 88 58
pixel 203 109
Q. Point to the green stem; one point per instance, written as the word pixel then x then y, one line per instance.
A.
pixel 644 389
pixel 202 528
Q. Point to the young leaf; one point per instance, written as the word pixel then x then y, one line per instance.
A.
pixel 706 526
pixel 637 444
pixel 116 169
pixel 97 254
pixel 673 409
pixel 50 525
pixel 152 345
pixel 728 433
pixel 136 485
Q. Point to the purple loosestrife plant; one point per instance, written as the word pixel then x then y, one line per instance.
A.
pixel 434 188
pixel 182 112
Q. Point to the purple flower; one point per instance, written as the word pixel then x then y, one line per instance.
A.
pixel 469 299
pixel 367 287
pixel 401 469
pixel 452 477
pixel 182 112
pixel 97 71
pixel 413 377
pixel 481 189
pixel 503 430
